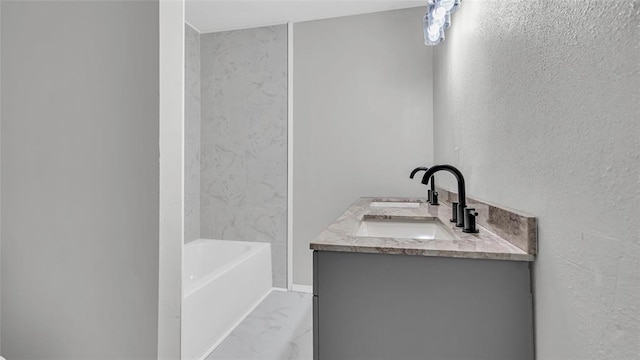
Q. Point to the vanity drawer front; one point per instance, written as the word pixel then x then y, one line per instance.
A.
pixel 378 306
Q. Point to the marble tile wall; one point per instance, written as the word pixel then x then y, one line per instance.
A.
pixel 192 134
pixel 244 139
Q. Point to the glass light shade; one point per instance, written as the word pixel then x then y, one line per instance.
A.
pixel 436 19
pixel 433 34
pixel 447 4
pixel 439 12
pixel 433 29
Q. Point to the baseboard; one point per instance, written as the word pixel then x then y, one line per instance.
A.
pixel 302 288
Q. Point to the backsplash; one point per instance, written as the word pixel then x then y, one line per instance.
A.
pixel 519 228
pixel 244 139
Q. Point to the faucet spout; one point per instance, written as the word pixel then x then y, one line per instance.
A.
pixel 462 203
pixel 414 171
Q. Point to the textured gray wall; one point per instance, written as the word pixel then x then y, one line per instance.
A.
pixel 80 180
pixel 244 139
pixel 542 104
pixel 192 135
pixel 362 117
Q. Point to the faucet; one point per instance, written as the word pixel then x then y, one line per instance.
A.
pixel 415 171
pixel 459 215
pixel 432 195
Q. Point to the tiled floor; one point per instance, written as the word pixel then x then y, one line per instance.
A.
pixel 278 329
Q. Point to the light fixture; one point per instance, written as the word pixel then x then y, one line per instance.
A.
pixel 437 19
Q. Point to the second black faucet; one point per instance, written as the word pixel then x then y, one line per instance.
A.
pixel 432 194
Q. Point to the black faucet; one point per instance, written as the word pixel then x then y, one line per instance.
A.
pixel 458 215
pixel 432 195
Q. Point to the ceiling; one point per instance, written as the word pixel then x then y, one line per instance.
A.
pixel 218 15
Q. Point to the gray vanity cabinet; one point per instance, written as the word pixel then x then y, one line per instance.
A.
pixel 400 307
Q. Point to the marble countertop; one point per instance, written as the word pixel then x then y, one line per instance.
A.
pixel 339 236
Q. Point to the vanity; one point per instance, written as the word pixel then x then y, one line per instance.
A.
pixel 394 278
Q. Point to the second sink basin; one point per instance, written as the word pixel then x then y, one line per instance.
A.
pixel 426 229
pixel 395 204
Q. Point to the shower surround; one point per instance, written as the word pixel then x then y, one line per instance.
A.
pixel 243 142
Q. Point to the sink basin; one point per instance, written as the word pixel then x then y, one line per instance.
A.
pixel 404 229
pixel 398 204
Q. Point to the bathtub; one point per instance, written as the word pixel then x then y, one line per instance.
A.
pixel 221 281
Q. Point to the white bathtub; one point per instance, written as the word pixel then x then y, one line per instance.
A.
pixel 221 281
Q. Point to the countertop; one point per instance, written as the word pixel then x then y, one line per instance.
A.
pixel 339 236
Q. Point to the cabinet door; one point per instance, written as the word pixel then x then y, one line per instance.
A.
pixel 374 306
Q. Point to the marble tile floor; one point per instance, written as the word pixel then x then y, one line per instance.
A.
pixel 280 328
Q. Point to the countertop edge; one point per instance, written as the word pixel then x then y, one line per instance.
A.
pixel 423 252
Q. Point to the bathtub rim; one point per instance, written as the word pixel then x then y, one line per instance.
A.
pixel 203 281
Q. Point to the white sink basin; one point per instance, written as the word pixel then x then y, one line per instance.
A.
pixel 398 204
pixel 404 229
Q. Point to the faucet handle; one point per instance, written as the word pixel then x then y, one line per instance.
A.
pixel 470 220
pixel 454 212
pixel 434 198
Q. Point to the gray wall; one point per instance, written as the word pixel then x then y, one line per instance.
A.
pixel 362 117
pixel 192 135
pixel 80 180
pixel 244 139
pixel 542 103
